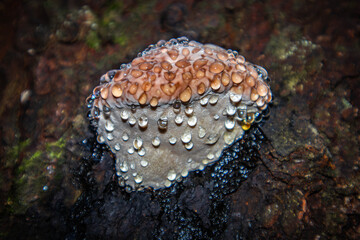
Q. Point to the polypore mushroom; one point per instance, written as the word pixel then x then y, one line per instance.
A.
pixel 175 108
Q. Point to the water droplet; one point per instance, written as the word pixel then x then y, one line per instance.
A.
pixel 172 140
pixel 201 167
pixel 100 139
pixel 235 98
pixel 231 110
pixel 96 111
pixel 143 121
pixel 156 141
pixel 205 161
pixel 216 117
pixel 110 136
pixel 189 111
pixel 186 137
pixel 184 173
pixel 142 152
pixel 138 179
pixel 124 167
pixel 131 150
pixel 204 100
pixel 189 145
pixel 177 106
pixel 189 160
pixel 132 121
pixel 229 137
pixel 132 166
pixel 229 124
pixel 124 115
pixel 202 132
pixel 210 156
pixel 163 122
pixel 171 175
pixel 138 143
pixel 179 119
pixel 144 163
pixel 212 138
pixel 117 147
pixel 192 121
pixel 109 126
pixel 213 99
pixel 167 183
pixel 125 136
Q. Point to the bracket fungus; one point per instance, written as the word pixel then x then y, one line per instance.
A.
pixel 175 108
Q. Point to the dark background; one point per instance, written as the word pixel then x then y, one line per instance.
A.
pixel 306 181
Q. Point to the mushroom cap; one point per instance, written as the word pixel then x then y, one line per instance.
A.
pixel 175 108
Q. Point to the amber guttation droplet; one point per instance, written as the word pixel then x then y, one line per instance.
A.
pixel 236 77
pixel 136 73
pixel 133 88
pixel 166 65
pixel 200 73
pixel 169 76
pixel 222 56
pixel 199 63
pixel 145 66
pixel 136 61
pixel 250 81
pixel 116 90
pixel 208 51
pixel 154 102
pixel 254 95
pixel 146 86
pixel 240 67
pixel 195 50
pixel 185 52
pixel 104 92
pixel 186 95
pixel 168 88
pixel 182 63
pixel 201 88
pixel 142 98
pixel 225 79
pixel 157 69
pixel 216 67
pixel 173 54
pixel 216 82
pixel 238 89
pixel 262 89
pixel 187 76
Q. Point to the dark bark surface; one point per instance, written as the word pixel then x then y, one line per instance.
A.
pixel 295 176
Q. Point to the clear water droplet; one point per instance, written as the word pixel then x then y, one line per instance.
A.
pixel 144 163
pixel 202 132
pixel 186 137
pixel 138 179
pixel 124 115
pixel 143 121
pixel 156 141
pixel 124 167
pixel 229 124
pixel 192 121
pixel 189 145
pixel 138 143
pixel 171 175
pixel 142 152
pixel 213 99
pixel 172 140
pixel 117 147
pixel 125 136
pixel 179 119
